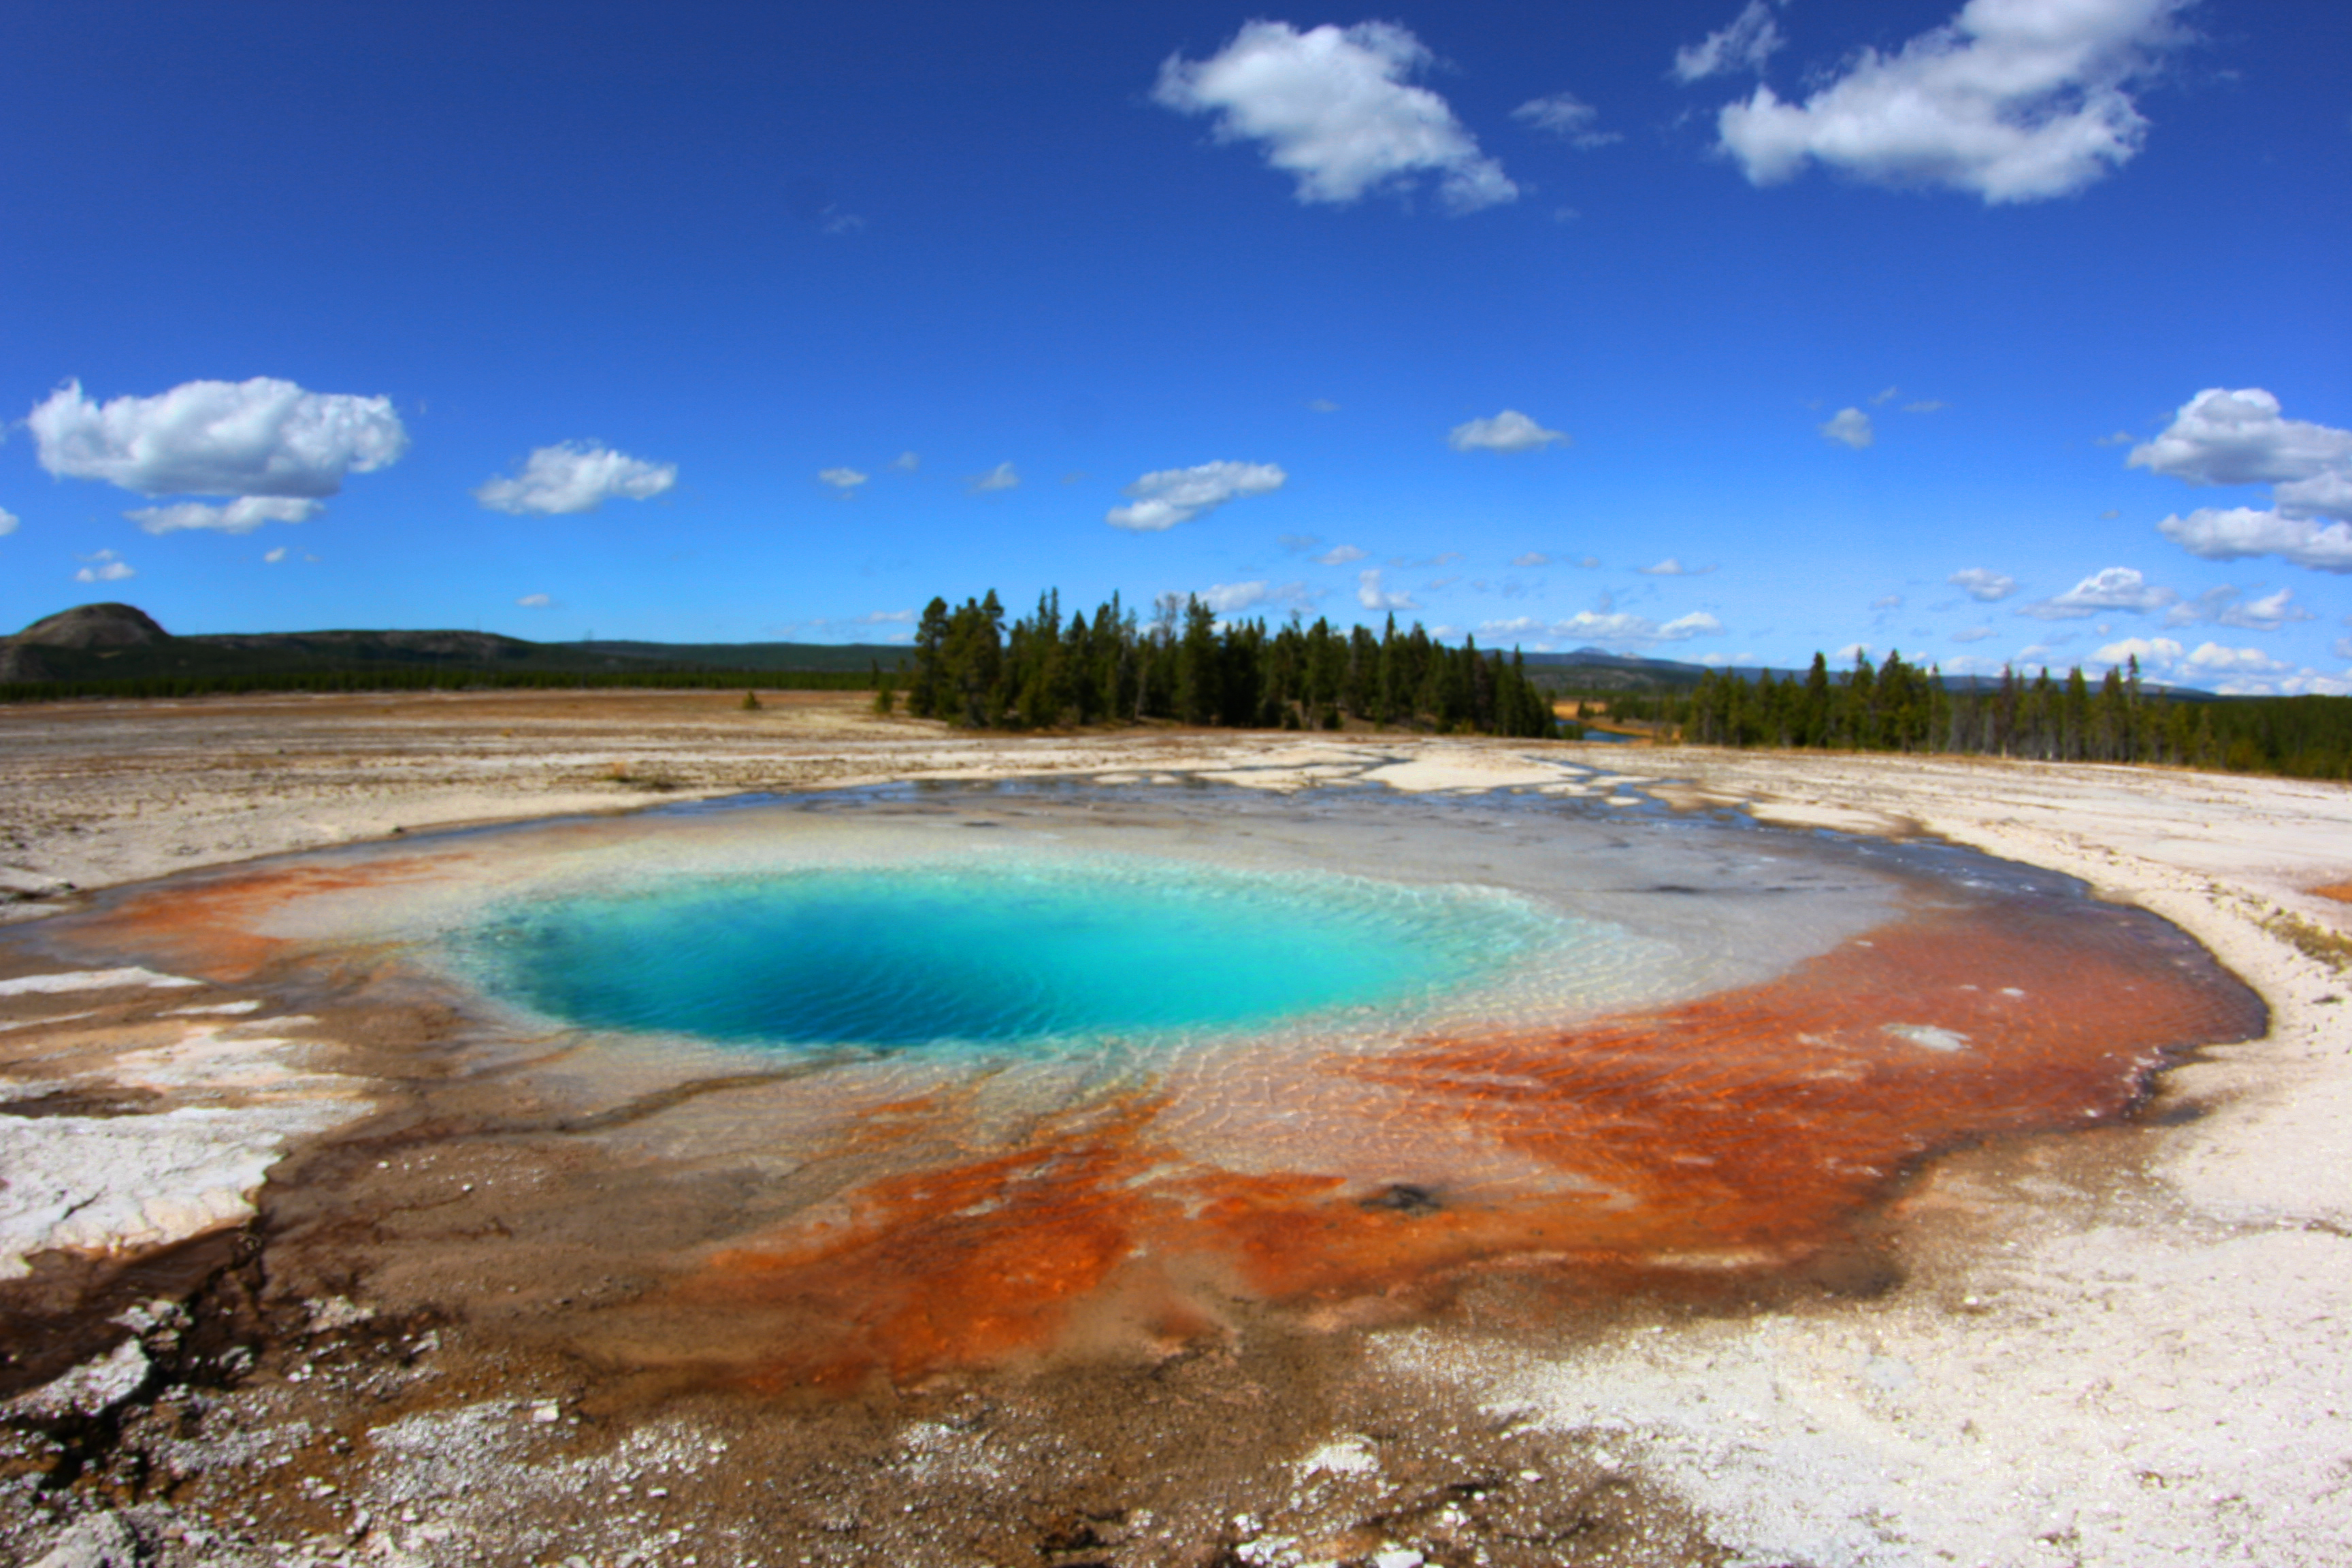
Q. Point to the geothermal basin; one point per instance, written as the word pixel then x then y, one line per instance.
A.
pixel 895 1087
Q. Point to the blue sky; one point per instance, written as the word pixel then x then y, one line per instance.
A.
pixel 1733 330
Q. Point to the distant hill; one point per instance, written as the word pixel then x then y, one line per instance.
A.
pixel 112 642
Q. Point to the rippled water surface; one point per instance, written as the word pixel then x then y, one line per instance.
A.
pixel 1039 951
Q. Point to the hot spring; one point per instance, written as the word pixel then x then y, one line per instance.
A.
pixel 1043 954
pixel 810 1090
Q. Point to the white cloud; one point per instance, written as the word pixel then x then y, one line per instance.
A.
pixel 1851 427
pixel 1532 558
pixel 2113 588
pixel 1509 431
pixel 2212 659
pixel 534 602
pixel 1322 405
pixel 9 521
pixel 1171 496
pixel 1299 543
pixel 845 480
pixel 1851 651
pixel 1972 633
pixel 1887 602
pixel 906 462
pixel 1744 45
pixel 2239 532
pixel 1887 395
pixel 1228 599
pixel 274 556
pixel 1339 555
pixel 242 515
pixel 2224 437
pixel 2120 438
pixel 1622 626
pixel 2153 653
pixel 1567 116
pixel 105 566
pixel 1334 109
pixel 1369 594
pixel 1003 477
pixel 2012 101
pixel 257 437
pixel 1925 405
pixel 2226 606
pixel 1984 587
pixel 887 618
pixel 1589 563
pixel 575 477
pixel 1672 567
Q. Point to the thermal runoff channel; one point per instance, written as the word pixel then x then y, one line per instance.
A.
pixel 1036 951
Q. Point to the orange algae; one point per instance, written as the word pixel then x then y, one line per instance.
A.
pixel 1737 1132
pixel 209 927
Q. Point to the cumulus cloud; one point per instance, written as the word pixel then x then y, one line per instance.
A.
pixel 575 477
pixel 534 602
pixel 2225 438
pixel 105 566
pixel 1672 567
pixel 7 522
pixel 1972 633
pixel 1171 496
pixel 2238 532
pixel 906 462
pixel 257 437
pixel 1567 117
pixel 2227 606
pixel 1850 427
pixel 1509 431
pixel 1003 477
pixel 1334 108
pixel 1623 628
pixel 1339 555
pixel 1744 45
pixel 1372 597
pixel 1982 585
pixel 2153 653
pixel 274 556
pixel 1532 558
pixel 2212 659
pixel 845 480
pixel 2012 100
pixel 1228 599
pixel 242 515
pixel 2114 588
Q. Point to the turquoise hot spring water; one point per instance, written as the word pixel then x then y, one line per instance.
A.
pixel 1037 952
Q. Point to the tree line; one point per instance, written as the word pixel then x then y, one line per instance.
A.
pixel 1901 707
pixel 970 667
